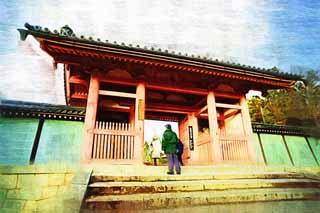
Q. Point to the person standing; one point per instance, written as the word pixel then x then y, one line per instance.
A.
pixel 180 151
pixel 169 146
pixel 156 148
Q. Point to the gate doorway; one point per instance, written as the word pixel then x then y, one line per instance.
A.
pixel 154 130
pixel 157 127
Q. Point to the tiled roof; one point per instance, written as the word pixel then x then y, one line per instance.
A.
pixel 11 108
pixel 66 33
pixel 286 130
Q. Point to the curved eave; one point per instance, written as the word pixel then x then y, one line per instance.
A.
pixel 185 63
pixel 21 109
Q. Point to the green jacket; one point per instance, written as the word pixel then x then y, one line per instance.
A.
pixel 169 142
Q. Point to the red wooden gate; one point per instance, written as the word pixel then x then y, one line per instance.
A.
pixel 113 141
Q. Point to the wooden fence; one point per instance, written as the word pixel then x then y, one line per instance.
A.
pixel 234 148
pixel 204 147
pixel 113 141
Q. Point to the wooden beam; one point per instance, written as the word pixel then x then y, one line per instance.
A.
pixel 163 87
pixel 227 95
pixel 117 94
pixel 194 91
pixel 170 108
pixel 117 109
pixel 230 113
pixel 229 106
pixel 79 96
pixel 203 116
pixel 201 110
pixel 160 87
pixel 77 80
pixel 166 110
pixel 127 82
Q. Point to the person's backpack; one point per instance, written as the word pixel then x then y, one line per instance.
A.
pixel 179 147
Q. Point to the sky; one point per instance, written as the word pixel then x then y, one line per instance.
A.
pixel 261 33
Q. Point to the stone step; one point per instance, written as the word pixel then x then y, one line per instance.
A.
pixel 119 188
pixel 175 199
pixel 103 177
pixel 194 170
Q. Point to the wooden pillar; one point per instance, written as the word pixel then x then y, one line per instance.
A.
pixel 214 128
pixel 90 119
pixel 193 121
pixel 222 124
pixel 246 121
pixel 132 115
pixel 67 79
pixel 139 122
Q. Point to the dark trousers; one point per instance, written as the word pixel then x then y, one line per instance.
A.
pixel 180 159
pixel 173 161
pixel 154 161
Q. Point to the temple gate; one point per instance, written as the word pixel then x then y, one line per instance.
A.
pixel 122 85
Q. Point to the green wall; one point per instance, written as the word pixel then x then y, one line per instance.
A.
pixel 256 143
pixel 315 145
pixel 16 140
pixel 277 154
pixel 275 150
pixel 300 151
pixel 60 142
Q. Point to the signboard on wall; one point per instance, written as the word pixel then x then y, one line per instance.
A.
pixel 141 109
pixel 191 142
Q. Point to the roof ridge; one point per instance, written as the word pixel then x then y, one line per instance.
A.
pixel 29 104
pixel 68 33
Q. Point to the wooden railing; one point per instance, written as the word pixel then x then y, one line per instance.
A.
pixel 204 147
pixel 234 148
pixel 113 141
pixel 203 139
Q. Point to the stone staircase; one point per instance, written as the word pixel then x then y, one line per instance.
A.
pixel 150 188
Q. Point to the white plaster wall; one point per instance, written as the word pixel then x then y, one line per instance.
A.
pixel 29 75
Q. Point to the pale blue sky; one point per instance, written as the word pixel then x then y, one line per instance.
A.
pixel 264 33
pixel 282 33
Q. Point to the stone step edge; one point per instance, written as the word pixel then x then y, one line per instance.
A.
pixel 160 173
pixel 122 188
pixel 110 178
pixel 174 199
pixel 203 182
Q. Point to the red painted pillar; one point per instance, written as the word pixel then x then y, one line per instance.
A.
pixel 247 128
pixel 90 119
pixel 194 154
pixel 214 128
pixel 131 116
pixel 139 122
